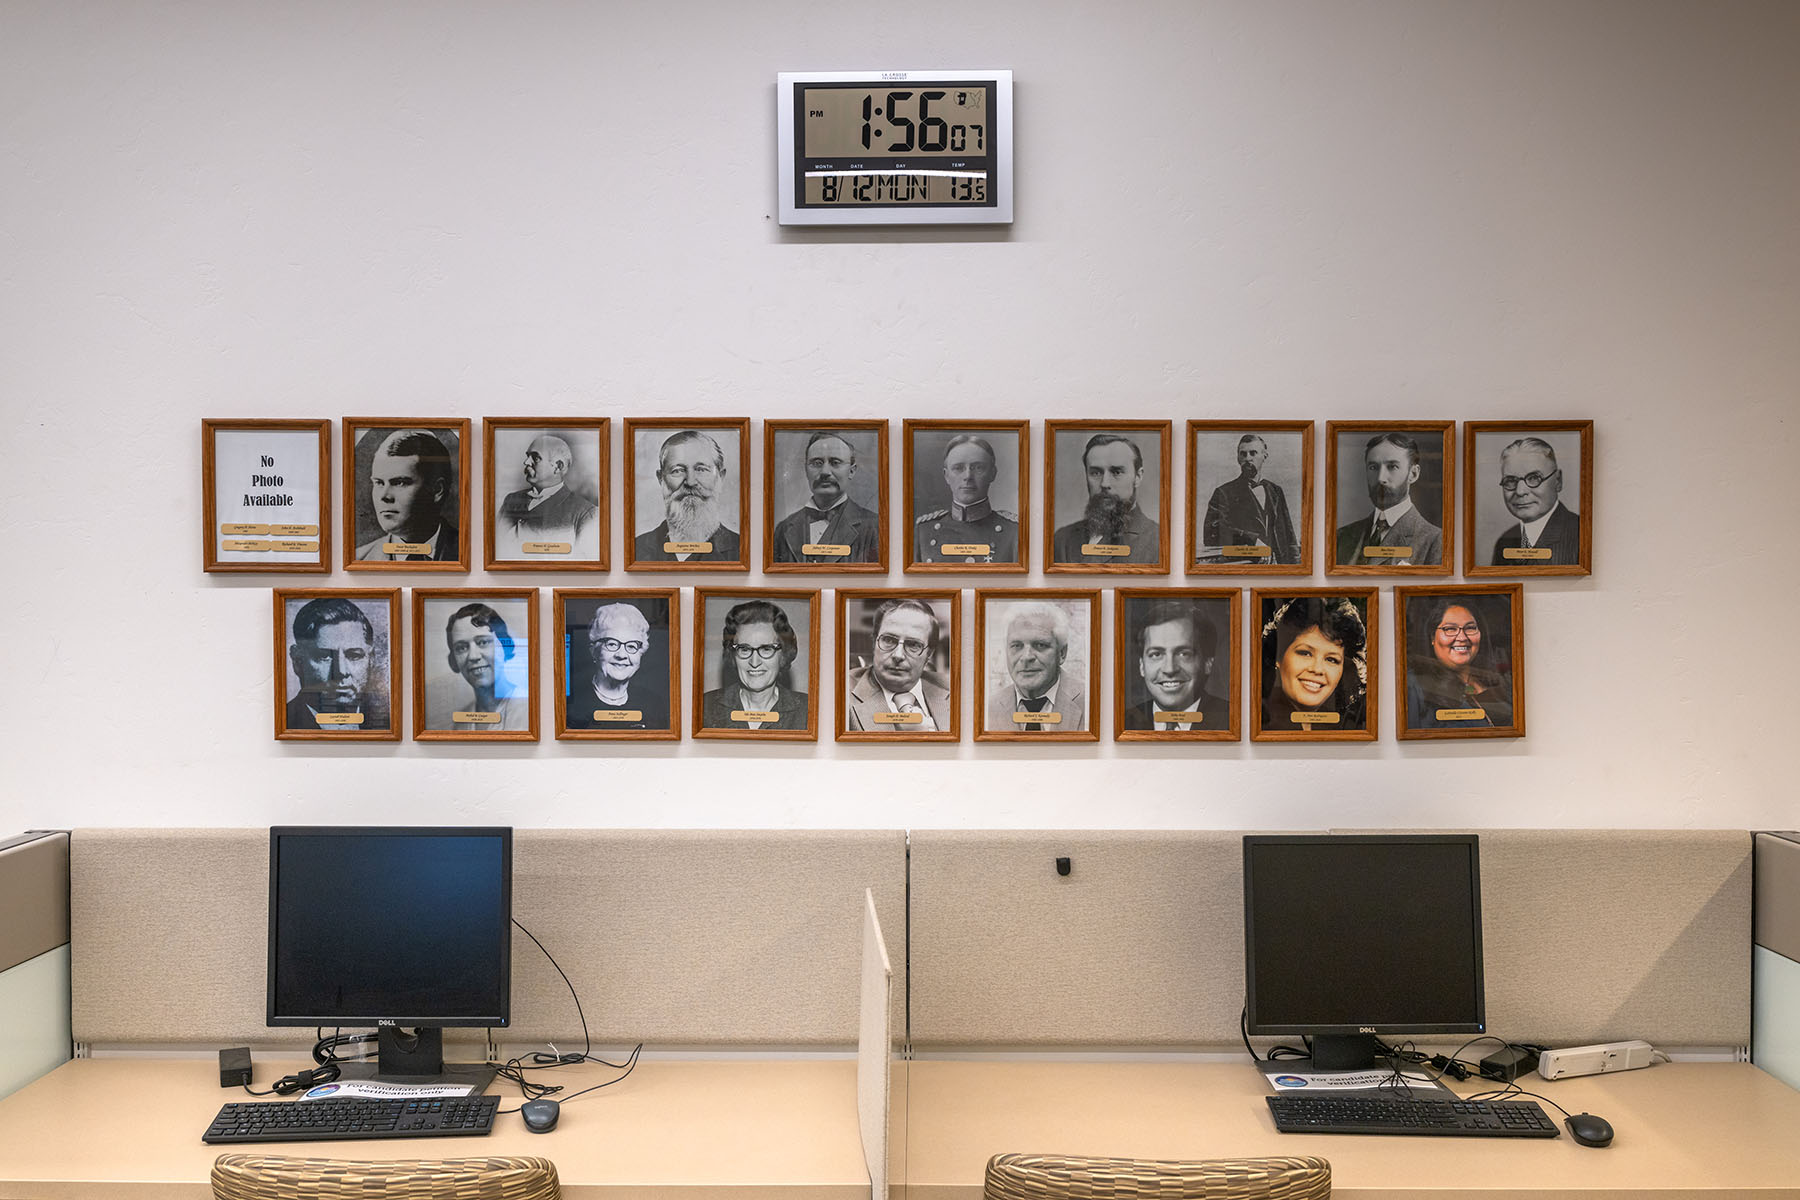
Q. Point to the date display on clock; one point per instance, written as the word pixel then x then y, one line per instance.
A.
pixel 895 147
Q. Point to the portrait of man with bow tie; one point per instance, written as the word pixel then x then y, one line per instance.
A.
pixel 829 479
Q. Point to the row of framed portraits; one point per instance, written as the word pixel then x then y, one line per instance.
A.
pixel 1177 664
pixel 1389 497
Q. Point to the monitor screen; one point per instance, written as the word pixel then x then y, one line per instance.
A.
pixel 1362 935
pixel 373 926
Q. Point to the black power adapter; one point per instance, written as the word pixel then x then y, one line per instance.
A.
pixel 1509 1063
pixel 234 1067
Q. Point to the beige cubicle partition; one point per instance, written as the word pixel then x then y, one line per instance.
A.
pixel 675 938
pixel 34 956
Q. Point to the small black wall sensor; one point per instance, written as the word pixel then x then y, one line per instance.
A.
pixel 1062 866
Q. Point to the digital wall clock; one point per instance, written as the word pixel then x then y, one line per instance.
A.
pixel 894 147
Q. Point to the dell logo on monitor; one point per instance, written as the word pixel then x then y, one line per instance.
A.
pixel 1365 1029
pixel 396 1025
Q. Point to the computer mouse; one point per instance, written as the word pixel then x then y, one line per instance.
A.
pixel 1589 1130
pixel 540 1116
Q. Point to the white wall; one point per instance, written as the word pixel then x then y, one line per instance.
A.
pixel 1374 210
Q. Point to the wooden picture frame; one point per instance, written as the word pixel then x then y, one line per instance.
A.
pixel 1460 651
pixel 1346 708
pixel 459 654
pixel 1068 548
pixel 1072 714
pixel 1422 541
pixel 717 709
pixel 650 676
pixel 272 515
pixel 1494 534
pixel 973 535
pixel 571 528
pixel 1162 667
pixel 714 449
pixel 329 647
pixel 1238 525
pixel 868 675
pixel 425 505
pixel 799 459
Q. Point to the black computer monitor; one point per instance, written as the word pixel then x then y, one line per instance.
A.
pixel 407 929
pixel 1354 938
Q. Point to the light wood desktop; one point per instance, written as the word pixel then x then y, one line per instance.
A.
pixel 117 1128
pixel 1681 1130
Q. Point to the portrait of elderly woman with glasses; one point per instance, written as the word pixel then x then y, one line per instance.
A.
pixel 759 647
pixel 627 687
pixel 901 687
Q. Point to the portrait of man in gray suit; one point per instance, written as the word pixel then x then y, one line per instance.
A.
pixel 1395 533
pixel 904 685
pixel 1043 686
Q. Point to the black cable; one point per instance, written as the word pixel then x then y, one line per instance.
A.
pixel 1275 1052
pixel 587 1044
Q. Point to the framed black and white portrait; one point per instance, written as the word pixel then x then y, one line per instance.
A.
pixel 475 664
pixel 544 483
pixel 1037 665
pixel 1461 661
pixel 1175 663
pixel 337 675
pixel 1107 484
pixel 968 496
pixel 406 499
pixel 1390 489
pixel 1528 501
pixel 825 496
pixel 267 495
pixel 756 665
pixel 898 654
pixel 687 494
pixel 1250 489
pixel 1317 665
pixel 619 664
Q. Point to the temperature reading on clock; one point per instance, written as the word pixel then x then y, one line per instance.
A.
pixel 897 140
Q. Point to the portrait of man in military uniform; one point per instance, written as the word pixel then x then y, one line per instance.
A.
pixel 965 496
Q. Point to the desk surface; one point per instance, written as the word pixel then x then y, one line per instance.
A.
pixel 1681 1130
pixel 129 1127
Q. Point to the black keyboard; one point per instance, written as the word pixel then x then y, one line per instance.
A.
pixel 352 1118
pixel 1397 1114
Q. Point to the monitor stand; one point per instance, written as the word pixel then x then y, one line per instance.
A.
pixel 417 1058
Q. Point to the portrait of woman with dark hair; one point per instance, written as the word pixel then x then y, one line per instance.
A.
pixel 1315 664
pixel 759 647
pixel 1459 666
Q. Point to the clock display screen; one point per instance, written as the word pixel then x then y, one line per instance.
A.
pixel 906 143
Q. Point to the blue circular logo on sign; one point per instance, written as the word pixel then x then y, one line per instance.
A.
pixel 1292 1081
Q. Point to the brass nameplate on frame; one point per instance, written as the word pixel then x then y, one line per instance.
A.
pixel 834 549
pixel 246 544
pixel 476 718
pixel 295 531
pixel 295 546
pixel 338 718
pixel 1317 718
pixel 1187 718
pixel 1387 551
pixel 405 548
pixel 1105 550
pixel 1246 551
pixel 1461 714
pixel 754 714
pixel 618 714
pixel 240 530
pixel 687 547
pixel 965 548
pixel 1528 553
pixel 899 718
pixel 548 547
pixel 1038 718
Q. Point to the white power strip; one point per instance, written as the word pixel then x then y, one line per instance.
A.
pixel 1594 1060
